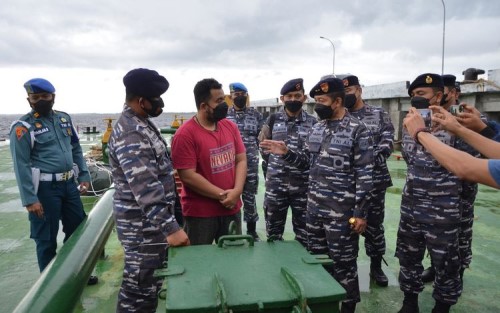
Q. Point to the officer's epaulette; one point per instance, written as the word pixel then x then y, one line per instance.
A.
pixel 60 112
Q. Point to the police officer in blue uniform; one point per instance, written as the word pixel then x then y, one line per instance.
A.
pixel 381 129
pixel 286 185
pixel 431 207
pixel 143 204
pixel 339 153
pixel 48 163
pixel 249 123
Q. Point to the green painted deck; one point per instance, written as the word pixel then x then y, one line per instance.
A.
pixel 19 270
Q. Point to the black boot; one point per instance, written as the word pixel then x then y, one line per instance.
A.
pixel 376 272
pixel 251 230
pixel 441 307
pixel 429 274
pixel 92 280
pixel 348 307
pixel 410 303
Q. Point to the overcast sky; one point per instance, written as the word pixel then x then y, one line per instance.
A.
pixel 85 47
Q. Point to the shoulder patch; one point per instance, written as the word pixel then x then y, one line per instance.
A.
pixel 20 131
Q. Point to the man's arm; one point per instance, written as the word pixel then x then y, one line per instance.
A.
pixel 462 164
pixel 385 146
pixel 233 195
pixel 199 184
pixel 295 158
pixel 485 146
pixel 458 162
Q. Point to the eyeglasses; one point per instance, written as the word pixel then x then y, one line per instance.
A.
pixel 35 97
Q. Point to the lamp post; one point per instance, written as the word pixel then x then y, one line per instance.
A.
pixel 444 22
pixel 333 46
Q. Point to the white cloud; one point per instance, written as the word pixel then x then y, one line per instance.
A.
pixel 86 47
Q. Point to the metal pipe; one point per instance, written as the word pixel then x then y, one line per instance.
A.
pixel 333 46
pixel 60 285
pixel 444 23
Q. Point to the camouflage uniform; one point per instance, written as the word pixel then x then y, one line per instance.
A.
pixel 249 122
pixel 380 126
pixel 340 181
pixel 142 207
pixel 286 185
pixel 431 208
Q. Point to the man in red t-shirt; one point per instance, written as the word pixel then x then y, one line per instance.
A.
pixel 210 158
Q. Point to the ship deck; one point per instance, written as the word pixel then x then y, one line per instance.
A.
pixel 19 270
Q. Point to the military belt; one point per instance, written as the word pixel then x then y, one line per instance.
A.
pixel 56 176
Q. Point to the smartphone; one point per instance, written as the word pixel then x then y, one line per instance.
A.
pixel 455 109
pixel 427 115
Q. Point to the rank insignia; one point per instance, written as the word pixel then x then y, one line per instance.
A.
pixel 428 80
pixel 38 125
pixel 20 131
pixel 324 87
pixel 63 120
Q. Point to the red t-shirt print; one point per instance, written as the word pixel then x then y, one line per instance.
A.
pixel 222 158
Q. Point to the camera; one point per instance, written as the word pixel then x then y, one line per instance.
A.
pixel 427 115
pixel 455 109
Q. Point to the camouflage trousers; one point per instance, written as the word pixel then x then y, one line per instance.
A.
pixel 465 237
pixel 442 243
pixel 145 250
pixel 276 205
pixel 250 190
pixel 335 238
pixel 374 234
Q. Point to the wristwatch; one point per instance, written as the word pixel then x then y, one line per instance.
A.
pixel 422 129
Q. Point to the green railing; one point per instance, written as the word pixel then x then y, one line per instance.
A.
pixel 62 282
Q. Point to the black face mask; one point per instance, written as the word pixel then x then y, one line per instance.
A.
pixel 155 105
pixel 43 107
pixel 420 102
pixel 240 101
pixel 293 106
pixel 350 101
pixel 443 99
pixel 219 113
pixel 324 111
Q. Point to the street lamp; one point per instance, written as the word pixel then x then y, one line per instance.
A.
pixel 444 22
pixel 333 46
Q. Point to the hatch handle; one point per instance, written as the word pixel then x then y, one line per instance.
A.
pixel 233 238
pixel 221 294
pixel 298 289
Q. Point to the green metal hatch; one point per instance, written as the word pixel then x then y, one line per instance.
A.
pixel 239 275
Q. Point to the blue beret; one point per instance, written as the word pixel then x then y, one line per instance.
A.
pixel 326 86
pixel 426 80
pixel 449 80
pixel 350 80
pixel 39 85
pixel 237 87
pixel 296 84
pixel 145 83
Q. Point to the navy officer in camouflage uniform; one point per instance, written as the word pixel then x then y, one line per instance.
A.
pixel 143 203
pixel 430 212
pixel 339 153
pixel 468 189
pixel 286 185
pixel 44 148
pixel 380 126
pixel 249 123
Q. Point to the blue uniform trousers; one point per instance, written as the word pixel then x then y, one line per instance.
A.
pixel 441 241
pixel 335 238
pixel 60 201
pixel 374 234
pixel 250 214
